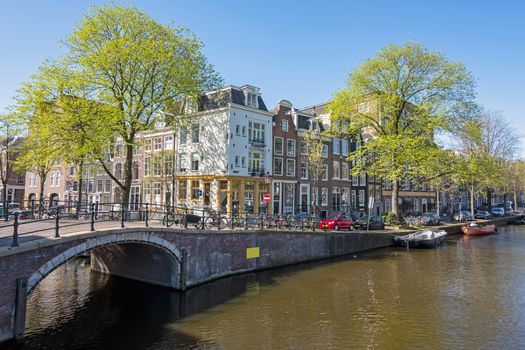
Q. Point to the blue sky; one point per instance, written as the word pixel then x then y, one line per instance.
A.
pixel 299 50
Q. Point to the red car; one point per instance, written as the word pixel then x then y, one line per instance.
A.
pixel 337 222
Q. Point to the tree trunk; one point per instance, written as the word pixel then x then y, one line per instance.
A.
pixel 128 173
pixel 515 200
pixel 438 205
pixel 4 194
pixel 472 199
pixel 395 197
pixel 489 200
pixel 505 203
pixel 80 178
pixel 42 183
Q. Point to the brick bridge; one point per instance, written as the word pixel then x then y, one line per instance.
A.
pixel 167 257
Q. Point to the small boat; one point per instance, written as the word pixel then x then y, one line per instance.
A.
pixel 517 221
pixel 421 239
pixel 477 229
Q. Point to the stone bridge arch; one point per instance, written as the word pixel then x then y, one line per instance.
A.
pixel 103 245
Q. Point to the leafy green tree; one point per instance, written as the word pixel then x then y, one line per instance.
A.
pixel 139 67
pixel 313 141
pixel 400 99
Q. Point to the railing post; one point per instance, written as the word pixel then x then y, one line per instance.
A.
pixel 122 212
pixel 232 223
pixel 147 214
pixel 57 218
pixel 185 217
pixel 203 219
pixel 32 208
pixel 246 220
pixel 14 243
pixel 92 216
pixel 219 223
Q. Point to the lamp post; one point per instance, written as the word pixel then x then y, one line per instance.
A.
pixel 267 181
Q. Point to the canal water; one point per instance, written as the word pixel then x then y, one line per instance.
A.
pixel 467 294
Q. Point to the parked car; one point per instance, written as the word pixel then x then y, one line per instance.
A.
pixel 430 219
pixel 498 211
pixel 359 222
pixel 463 216
pixel 337 222
pixel 482 214
pixel 376 223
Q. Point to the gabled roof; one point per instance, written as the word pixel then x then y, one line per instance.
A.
pixel 222 97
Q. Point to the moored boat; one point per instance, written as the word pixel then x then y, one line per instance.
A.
pixel 476 229
pixel 421 239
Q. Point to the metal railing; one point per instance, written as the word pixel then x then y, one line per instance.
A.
pixel 54 218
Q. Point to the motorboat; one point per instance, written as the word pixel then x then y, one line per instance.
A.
pixel 477 229
pixel 421 239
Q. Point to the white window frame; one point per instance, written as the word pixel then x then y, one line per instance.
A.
pixel 275 147
pixel 336 169
pixel 324 196
pixel 284 125
pixel 335 145
pixel 288 143
pixel 276 171
pixel 305 167
pixel 324 175
pixel 325 150
pixel 290 161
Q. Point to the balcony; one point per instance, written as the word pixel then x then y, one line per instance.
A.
pixel 257 143
pixel 258 172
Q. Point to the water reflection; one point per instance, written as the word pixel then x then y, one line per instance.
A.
pixel 466 294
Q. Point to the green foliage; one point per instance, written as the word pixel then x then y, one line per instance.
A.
pixel 398 100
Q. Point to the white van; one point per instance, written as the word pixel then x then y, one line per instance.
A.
pixel 498 212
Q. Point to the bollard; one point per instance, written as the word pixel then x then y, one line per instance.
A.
pixel 147 214
pixel 14 243
pixel 185 218
pixel 203 219
pixel 219 223
pixel 32 208
pixel 246 220
pixel 57 217
pixel 92 216
pixel 122 212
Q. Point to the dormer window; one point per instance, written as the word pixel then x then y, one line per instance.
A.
pixel 251 99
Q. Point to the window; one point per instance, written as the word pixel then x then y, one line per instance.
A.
pixel 195 186
pixel 147 166
pixel 304 171
pixel 108 186
pixel 183 136
pixel 278 146
pixel 182 163
pixel 290 167
pixel 168 142
pixel 243 162
pixel 290 148
pixel 324 196
pixel 355 180
pixel 344 147
pixel 238 130
pixel 118 150
pixel 168 164
pixel 353 200
pixel 157 198
pixel 325 150
pixel 255 131
pixel 20 179
pixel 100 186
pixel 244 130
pixel 362 178
pixel 255 161
pixel 336 169
pixel 324 175
pixel 147 145
pixel 284 125
pixel 32 180
pixel 335 145
pixel 251 99
pixel 157 166
pixel 183 190
pixel 363 107
pixel 344 170
pixel 195 162
pixel 195 134
pixel 146 193
pixel 237 161
pixel 278 166
pixel 361 198
pixel 134 171
pixel 304 148
pixel 157 146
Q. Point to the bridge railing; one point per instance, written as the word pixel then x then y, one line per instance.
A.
pixel 44 220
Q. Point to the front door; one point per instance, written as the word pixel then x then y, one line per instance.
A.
pixel 207 190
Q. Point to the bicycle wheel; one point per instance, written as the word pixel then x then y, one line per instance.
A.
pixel 209 223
